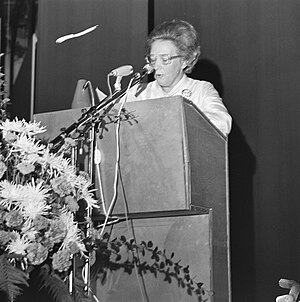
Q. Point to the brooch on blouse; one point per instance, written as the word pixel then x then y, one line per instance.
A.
pixel 186 93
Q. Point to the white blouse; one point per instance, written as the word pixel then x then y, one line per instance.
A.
pixel 201 93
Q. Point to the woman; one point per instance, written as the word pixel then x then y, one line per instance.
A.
pixel 173 50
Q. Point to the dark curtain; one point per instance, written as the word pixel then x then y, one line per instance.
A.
pixel 118 40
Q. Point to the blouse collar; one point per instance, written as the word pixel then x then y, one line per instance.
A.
pixel 177 89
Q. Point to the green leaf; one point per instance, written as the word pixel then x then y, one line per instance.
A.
pixel 11 279
pixel 56 288
pixel 189 291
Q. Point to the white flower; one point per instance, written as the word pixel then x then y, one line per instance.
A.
pixel 88 196
pixel 21 126
pixel 34 201
pixel 18 244
pixel 33 128
pixel 84 193
pixel 27 145
pixel 73 233
pixel 56 164
pixel 10 193
pixel 11 126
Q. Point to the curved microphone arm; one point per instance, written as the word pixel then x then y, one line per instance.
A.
pixel 88 116
pixel 88 85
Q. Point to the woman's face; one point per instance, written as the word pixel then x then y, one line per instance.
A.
pixel 167 75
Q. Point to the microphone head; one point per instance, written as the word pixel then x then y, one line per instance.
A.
pixel 122 71
pixel 148 69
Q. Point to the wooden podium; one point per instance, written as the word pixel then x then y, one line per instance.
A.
pixel 174 188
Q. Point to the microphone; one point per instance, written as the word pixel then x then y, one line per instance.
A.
pixel 147 69
pixel 122 71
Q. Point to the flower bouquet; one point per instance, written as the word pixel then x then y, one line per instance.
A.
pixel 39 197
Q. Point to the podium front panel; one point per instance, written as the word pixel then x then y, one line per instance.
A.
pixel 171 158
pixel 154 165
pixel 189 237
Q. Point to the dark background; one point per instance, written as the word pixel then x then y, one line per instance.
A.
pixel 250 52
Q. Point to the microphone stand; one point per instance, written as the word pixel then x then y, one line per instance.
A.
pixel 117 84
pixel 89 117
pixel 90 114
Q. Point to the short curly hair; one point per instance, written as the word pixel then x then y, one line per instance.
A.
pixel 183 35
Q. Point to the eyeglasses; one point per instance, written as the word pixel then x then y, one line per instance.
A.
pixel 165 59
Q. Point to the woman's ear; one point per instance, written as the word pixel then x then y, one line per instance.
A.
pixel 185 63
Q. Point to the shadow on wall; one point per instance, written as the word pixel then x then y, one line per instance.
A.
pixel 207 70
pixel 241 169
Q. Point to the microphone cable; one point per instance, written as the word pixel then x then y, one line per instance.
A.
pixel 117 162
pixel 117 175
